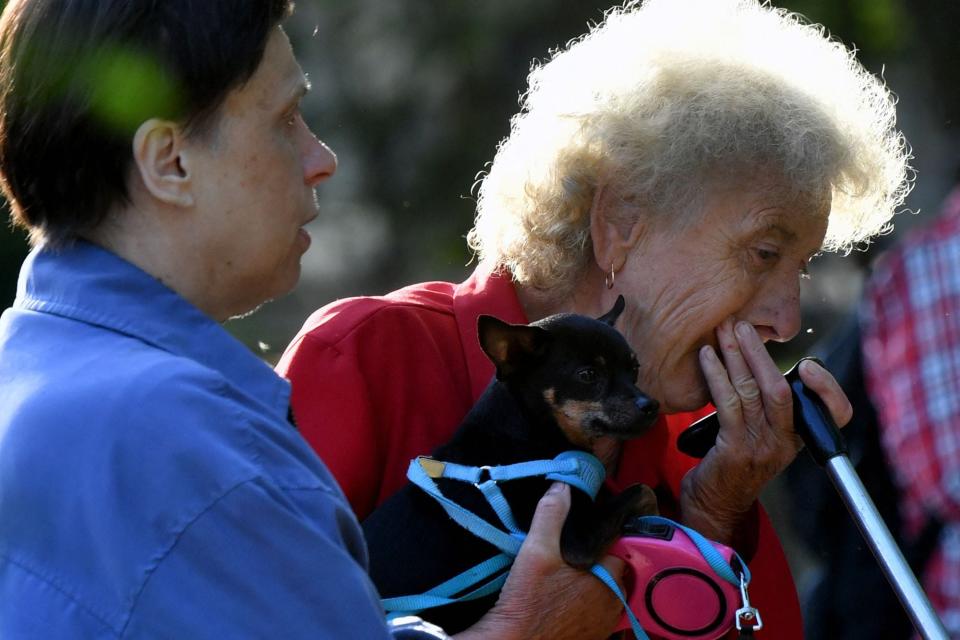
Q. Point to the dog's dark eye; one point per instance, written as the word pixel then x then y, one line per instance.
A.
pixel 635 369
pixel 587 375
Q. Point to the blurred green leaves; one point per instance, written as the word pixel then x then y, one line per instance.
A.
pixel 884 25
pixel 128 87
pixel 878 28
pixel 120 86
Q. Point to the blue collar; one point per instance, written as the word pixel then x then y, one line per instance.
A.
pixel 576 468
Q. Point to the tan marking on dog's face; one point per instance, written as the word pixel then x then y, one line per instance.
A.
pixel 571 416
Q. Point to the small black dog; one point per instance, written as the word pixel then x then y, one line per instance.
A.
pixel 562 383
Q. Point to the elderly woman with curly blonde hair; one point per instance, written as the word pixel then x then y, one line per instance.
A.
pixel 692 156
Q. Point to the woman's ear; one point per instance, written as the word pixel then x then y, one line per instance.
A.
pixel 615 229
pixel 158 155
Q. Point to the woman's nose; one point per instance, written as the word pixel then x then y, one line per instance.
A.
pixel 776 316
pixel 319 162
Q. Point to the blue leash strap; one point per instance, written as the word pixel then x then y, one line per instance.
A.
pixel 577 468
pixel 445 593
pixel 506 542
pixel 605 577
pixel 501 507
pixel 713 557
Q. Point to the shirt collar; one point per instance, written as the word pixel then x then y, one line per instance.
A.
pixel 92 285
pixel 486 291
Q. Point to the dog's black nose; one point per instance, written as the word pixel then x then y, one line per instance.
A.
pixel 648 406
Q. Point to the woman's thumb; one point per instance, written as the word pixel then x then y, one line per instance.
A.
pixel 550 515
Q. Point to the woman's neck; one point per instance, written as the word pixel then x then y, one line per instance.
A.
pixel 586 298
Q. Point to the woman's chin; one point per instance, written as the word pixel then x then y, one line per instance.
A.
pixel 687 397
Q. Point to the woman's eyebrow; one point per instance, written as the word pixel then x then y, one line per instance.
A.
pixel 775 228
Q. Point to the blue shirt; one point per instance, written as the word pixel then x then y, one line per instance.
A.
pixel 151 485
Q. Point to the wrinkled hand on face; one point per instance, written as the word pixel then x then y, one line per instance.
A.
pixel 757 439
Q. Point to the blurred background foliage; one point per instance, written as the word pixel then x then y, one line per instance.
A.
pixel 414 96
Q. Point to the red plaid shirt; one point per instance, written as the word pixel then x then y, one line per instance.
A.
pixel 911 343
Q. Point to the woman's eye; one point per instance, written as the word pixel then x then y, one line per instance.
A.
pixel 587 375
pixel 805 266
pixel 291 118
pixel 766 255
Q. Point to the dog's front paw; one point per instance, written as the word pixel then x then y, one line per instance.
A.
pixel 592 528
pixel 638 500
pixel 581 552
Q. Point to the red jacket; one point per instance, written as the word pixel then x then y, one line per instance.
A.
pixel 378 381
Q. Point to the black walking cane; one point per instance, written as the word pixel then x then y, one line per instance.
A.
pixel 813 423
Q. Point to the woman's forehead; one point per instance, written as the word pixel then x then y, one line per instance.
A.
pixel 786 218
pixel 763 209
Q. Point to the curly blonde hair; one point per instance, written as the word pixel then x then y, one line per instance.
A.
pixel 665 95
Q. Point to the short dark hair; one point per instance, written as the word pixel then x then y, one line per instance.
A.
pixel 77 77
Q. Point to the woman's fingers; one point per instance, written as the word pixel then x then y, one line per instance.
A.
pixel 724 395
pixel 777 401
pixel 821 382
pixel 747 388
pixel 741 376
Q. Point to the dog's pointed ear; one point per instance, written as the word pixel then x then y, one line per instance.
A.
pixel 610 317
pixel 510 346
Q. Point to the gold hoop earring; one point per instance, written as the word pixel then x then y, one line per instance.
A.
pixel 610 278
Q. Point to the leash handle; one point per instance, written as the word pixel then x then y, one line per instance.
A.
pixel 683 586
pixel 713 557
pixel 576 468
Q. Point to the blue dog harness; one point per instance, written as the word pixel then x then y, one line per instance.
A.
pixel 576 468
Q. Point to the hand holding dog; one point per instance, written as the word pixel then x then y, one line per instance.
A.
pixel 569 603
pixel 756 439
